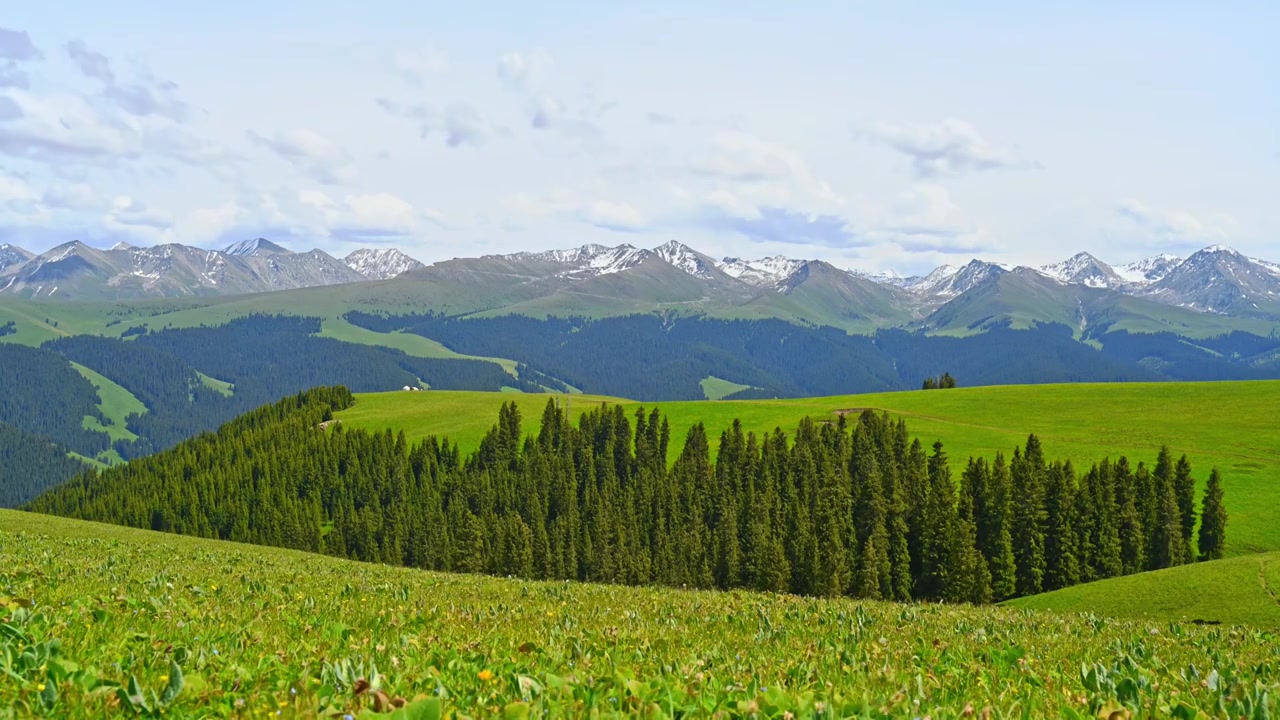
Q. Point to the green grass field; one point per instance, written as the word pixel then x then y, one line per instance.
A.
pixel 1230 425
pixel 116 404
pixel 98 620
pixel 1236 590
pixel 716 389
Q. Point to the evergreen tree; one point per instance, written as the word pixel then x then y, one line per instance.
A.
pixel 1213 520
pixel 1184 487
pixel 1061 568
pixel 1027 473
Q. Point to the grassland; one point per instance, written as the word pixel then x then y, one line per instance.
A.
pixel 98 620
pixel 1236 590
pixel 116 404
pixel 716 389
pixel 1230 425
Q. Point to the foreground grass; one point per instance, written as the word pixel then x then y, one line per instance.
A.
pixel 1236 590
pixel 1230 425
pixel 96 620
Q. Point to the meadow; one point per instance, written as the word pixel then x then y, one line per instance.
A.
pixel 1229 425
pixel 98 620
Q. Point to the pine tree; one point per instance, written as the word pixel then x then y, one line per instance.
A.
pixel 1213 520
pixel 938 520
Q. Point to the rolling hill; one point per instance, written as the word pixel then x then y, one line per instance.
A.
pixel 1238 590
pixel 280 631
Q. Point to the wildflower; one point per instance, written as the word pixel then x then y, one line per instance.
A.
pixel 164 678
pixel 486 675
pixel 40 687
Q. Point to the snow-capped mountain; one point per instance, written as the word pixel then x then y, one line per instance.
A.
pixel 257 247
pixel 585 261
pixel 1148 270
pixel 765 272
pixel 12 256
pixel 1084 269
pixel 1219 279
pixel 381 264
pixel 687 259
pixel 949 281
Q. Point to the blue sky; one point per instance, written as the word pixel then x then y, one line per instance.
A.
pixel 875 135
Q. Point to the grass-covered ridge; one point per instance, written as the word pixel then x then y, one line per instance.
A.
pixel 258 631
pixel 1228 425
pixel 1242 589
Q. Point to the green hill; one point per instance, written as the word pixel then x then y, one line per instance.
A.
pixel 91 617
pixel 1236 590
pixel 1229 425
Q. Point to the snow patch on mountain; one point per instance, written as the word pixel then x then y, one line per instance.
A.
pixel 763 272
pixel 257 247
pixel 1149 270
pixel 687 259
pixel 381 264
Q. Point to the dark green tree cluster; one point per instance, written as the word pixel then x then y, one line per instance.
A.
pixel 8 328
pixel 945 382
pixel 42 394
pixel 853 507
pixel 30 464
pixel 658 357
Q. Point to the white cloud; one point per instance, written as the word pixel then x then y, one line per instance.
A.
pixel 310 153
pixel 524 70
pixel 128 213
pixel 1175 227
pixel 58 128
pixel 16 45
pixel 947 148
pixel 148 96
pixel 77 196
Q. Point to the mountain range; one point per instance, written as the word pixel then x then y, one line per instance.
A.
pixel 77 271
pixel 1214 290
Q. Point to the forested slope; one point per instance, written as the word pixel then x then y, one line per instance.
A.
pixel 852 507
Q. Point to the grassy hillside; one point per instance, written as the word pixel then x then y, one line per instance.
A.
pixel 1236 590
pixel 101 620
pixel 1229 425
pixel 116 405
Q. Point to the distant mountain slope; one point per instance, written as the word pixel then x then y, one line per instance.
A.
pixel 11 256
pixel 1085 269
pixel 817 292
pixel 77 271
pixel 1025 297
pixel 1221 280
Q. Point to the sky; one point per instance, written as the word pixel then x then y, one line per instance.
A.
pixel 874 135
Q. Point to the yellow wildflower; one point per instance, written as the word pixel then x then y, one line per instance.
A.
pixel 486 675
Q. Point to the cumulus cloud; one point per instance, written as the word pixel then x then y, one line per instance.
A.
pixel 948 148
pixel 1172 227
pixel 148 96
pixel 523 70
pixel 310 153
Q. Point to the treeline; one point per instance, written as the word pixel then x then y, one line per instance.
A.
pixel 652 357
pixel 44 395
pixel 943 382
pixel 850 507
pixel 30 464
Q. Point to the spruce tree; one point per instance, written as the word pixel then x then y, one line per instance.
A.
pixel 1213 520
pixel 1061 568
pixel 1028 521
pixel 1184 487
